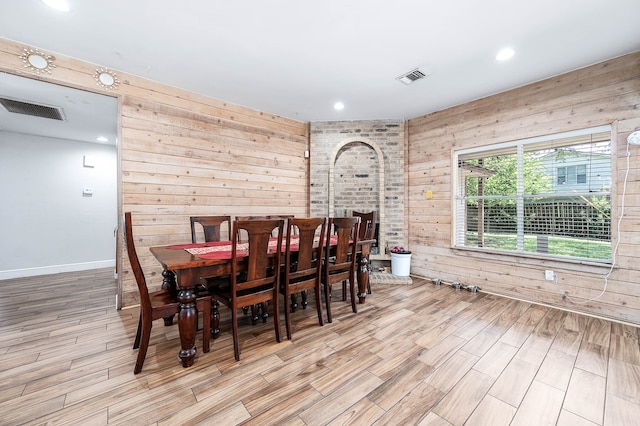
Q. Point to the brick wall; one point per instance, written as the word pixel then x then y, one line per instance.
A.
pixel 360 165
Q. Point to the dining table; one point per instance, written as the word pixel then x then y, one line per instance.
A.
pixel 185 265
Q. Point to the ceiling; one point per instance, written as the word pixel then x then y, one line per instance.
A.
pixel 297 58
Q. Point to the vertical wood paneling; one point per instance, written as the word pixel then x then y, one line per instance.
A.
pixel 184 154
pixel 605 93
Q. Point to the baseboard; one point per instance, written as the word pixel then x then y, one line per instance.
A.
pixel 56 269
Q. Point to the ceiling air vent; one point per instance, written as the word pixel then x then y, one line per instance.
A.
pixel 411 76
pixel 36 110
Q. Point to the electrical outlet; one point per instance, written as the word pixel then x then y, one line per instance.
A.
pixel 549 275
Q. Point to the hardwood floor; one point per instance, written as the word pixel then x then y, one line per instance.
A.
pixel 414 354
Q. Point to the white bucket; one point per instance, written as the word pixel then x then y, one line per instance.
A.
pixel 400 264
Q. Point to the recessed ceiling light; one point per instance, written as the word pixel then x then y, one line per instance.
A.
pixel 505 54
pixel 338 106
pixel 102 139
pixel 62 5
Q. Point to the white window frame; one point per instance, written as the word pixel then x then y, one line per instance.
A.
pixel 459 202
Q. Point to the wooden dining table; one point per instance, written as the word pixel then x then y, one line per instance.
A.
pixel 184 265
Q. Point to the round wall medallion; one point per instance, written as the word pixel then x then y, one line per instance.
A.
pixel 37 61
pixel 106 79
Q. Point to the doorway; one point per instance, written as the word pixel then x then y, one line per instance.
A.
pixel 59 181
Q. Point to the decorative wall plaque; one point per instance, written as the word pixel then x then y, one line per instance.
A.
pixel 37 61
pixel 106 79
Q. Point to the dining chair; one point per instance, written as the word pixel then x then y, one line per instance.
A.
pixel 211 226
pixel 242 236
pixel 303 267
pixel 340 259
pixel 367 229
pixel 286 218
pixel 158 304
pixel 367 224
pixel 255 275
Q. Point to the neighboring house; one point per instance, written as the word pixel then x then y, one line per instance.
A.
pixel 576 171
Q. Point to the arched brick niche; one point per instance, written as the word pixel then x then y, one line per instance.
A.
pixel 360 166
pixel 356 180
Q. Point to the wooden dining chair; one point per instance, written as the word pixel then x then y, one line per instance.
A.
pixel 286 217
pixel 211 226
pixel 367 229
pixel 340 259
pixel 242 236
pixel 255 277
pixel 156 305
pixel 303 267
pixel 367 224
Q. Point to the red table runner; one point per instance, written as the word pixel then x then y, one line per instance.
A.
pixel 222 249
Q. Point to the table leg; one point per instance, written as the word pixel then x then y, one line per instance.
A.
pixel 363 273
pixel 169 284
pixel 215 324
pixel 187 323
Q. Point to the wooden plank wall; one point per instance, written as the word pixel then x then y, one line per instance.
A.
pixel 184 154
pixel 605 93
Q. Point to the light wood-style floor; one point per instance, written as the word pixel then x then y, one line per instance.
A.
pixel 414 354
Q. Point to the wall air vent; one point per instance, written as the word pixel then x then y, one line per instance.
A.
pixel 411 76
pixel 35 110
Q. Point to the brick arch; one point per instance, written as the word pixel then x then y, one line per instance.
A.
pixel 381 196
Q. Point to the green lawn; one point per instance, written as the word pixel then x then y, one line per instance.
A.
pixel 559 246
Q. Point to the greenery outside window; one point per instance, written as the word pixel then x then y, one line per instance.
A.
pixel 548 196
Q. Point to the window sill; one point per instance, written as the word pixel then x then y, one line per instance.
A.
pixel 530 259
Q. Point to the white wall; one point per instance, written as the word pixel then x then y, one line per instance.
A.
pixel 48 225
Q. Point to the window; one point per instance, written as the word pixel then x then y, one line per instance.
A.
pixel 574 174
pixel 581 174
pixel 562 175
pixel 549 196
